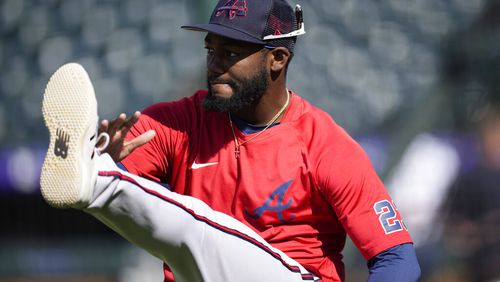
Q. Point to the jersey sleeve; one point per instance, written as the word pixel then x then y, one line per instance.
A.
pixel 398 263
pixel 171 122
pixel 350 184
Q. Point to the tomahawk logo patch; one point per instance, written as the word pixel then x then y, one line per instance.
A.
pixel 277 197
pixel 234 8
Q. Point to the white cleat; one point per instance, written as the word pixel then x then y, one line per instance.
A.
pixel 70 113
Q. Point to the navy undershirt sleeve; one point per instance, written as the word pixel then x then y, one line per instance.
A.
pixel 398 263
pixel 121 166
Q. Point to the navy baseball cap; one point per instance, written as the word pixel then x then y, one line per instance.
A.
pixel 266 22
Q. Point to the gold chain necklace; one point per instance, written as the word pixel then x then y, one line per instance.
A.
pixel 238 145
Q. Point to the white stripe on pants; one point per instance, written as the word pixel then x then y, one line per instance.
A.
pixel 198 243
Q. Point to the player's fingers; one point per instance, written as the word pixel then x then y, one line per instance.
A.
pixel 110 128
pixel 131 120
pixel 104 126
pixel 117 123
pixel 135 143
pixel 140 140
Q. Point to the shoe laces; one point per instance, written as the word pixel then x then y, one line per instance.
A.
pixel 103 146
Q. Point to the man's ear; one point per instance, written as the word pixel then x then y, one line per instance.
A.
pixel 279 58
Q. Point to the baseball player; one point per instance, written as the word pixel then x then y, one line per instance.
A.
pixel 244 181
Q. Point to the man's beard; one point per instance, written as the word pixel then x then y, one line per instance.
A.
pixel 245 92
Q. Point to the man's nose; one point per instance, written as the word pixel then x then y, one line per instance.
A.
pixel 215 65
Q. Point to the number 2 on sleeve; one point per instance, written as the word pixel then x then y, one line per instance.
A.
pixel 387 216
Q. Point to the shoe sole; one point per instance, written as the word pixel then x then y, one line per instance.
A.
pixel 69 109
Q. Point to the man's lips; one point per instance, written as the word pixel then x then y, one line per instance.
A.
pixel 220 88
pixel 212 82
pixel 219 85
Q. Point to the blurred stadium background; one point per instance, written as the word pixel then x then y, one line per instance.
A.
pixel 394 73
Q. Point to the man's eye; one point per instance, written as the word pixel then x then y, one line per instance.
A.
pixel 231 54
pixel 209 50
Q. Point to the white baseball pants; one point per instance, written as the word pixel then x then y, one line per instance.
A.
pixel 198 243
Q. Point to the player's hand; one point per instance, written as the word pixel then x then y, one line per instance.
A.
pixel 117 129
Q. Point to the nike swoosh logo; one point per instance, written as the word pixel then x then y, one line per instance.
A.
pixel 197 166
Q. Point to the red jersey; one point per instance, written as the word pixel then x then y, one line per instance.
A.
pixel 302 185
